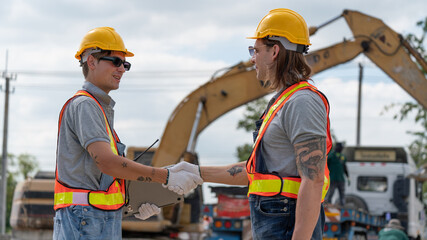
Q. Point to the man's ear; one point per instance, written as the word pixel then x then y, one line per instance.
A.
pixel 276 50
pixel 91 62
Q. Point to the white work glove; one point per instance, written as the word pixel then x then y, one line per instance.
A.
pixel 192 168
pixel 147 210
pixel 183 177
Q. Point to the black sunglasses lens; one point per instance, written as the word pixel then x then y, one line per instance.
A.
pixel 126 65
pixel 117 62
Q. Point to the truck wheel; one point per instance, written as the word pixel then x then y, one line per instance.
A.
pixel 355 202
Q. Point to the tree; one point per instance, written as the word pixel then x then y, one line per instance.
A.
pixel 26 165
pixel 11 184
pixel 418 148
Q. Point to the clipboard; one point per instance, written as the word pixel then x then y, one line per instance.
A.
pixel 149 192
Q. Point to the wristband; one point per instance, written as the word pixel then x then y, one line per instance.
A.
pixel 167 177
pixel 200 171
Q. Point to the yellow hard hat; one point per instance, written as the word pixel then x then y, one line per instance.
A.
pixel 285 23
pixel 105 38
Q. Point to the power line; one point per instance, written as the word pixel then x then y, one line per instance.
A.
pixel 131 74
pixel 160 81
pixel 155 74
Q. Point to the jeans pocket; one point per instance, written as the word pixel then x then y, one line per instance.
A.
pixel 57 228
pixel 91 227
pixel 272 217
pixel 277 206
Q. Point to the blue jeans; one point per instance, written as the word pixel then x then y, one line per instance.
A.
pixel 87 223
pixel 274 218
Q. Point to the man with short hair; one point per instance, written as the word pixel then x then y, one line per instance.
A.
pixel 90 166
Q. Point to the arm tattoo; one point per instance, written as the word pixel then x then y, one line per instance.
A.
pixel 310 157
pixel 144 179
pixel 94 158
pixel 235 170
pixel 124 164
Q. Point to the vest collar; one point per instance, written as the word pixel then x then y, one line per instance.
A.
pixel 100 95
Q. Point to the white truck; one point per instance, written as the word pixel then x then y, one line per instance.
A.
pixel 379 185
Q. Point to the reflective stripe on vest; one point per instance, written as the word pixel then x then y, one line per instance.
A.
pixel 271 185
pixel 268 184
pixel 111 199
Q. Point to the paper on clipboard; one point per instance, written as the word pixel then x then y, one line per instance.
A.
pixel 149 192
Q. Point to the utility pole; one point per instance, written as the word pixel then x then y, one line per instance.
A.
pixel 3 190
pixel 359 104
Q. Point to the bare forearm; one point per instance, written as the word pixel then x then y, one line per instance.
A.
pixel 310 159
pixel 307 209
pixel 120 167
pixel 234 174
pixel 124 168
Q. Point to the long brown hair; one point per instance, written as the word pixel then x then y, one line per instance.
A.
pixel 291 67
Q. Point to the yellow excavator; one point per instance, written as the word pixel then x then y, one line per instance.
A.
pixel 228 89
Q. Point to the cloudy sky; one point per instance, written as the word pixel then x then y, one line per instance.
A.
pixel 178 45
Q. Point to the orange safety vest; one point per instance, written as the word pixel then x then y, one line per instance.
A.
pixel 269 184
pixel 111 199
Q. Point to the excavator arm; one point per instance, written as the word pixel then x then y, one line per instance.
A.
pixel 383 46
pixel 238 85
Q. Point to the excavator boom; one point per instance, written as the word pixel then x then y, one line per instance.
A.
pixel 390 52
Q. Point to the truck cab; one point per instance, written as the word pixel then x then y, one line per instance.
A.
pixel 379 184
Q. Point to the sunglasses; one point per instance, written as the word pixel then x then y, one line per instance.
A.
pixel 117 62
pixel 253 50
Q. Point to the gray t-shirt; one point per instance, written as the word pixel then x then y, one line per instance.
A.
pixel 302 117
pixel 82 124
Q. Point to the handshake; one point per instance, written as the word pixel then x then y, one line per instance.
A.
pixel 182 178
